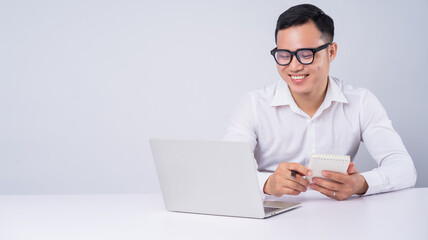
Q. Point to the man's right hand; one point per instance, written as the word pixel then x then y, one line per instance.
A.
pixel 280 182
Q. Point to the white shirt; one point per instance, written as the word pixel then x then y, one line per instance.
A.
pixel 279 131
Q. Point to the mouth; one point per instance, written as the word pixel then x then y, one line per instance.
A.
pixel 298 78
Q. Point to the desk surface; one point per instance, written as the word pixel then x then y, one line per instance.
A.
pixel 396 215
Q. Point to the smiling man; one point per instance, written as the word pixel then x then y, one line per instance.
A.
pixel 308 111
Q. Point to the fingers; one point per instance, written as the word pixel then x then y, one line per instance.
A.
pixel 335 189
pixel 284 185
pixel 300 180
pixel 290 188
pixel 340 186
pixel 287 191
pixel 333 186
pixel 338 177
pixel 278 186
pixel 286 170
pixel 331 189
pixel 295 185
pixel 352 169
pixel 328 192
pixel 298 168
pixel 288 179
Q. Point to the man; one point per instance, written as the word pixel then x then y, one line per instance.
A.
pixel 308 111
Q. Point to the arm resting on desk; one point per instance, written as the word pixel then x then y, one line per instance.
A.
pixel 396 169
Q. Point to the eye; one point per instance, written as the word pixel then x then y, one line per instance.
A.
pixel 283 55
pixel 306 54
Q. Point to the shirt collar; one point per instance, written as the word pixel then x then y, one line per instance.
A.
pixel 334 91
pixel 282 95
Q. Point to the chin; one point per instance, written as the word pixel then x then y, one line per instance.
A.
pixel 298 89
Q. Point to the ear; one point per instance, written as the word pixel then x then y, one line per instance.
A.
pixel 332 51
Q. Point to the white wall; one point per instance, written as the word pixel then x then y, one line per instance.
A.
pixel 85 84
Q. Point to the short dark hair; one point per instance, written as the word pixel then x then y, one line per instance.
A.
pixel 301 14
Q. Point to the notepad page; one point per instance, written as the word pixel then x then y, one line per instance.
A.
pixel 329 162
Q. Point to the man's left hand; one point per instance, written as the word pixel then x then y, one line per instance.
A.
pixel 342 186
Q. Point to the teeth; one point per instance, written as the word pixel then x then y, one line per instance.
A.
pixel 297 77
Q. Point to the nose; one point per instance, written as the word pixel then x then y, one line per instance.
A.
pixel 295 65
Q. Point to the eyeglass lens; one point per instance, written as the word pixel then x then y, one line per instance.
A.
pixel 304 57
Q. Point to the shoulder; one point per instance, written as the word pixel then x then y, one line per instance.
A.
pixel 354 94
pixel 350 90
pixel 363 102
pixel 263 95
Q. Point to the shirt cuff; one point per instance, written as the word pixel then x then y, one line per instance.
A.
pixel 374 181
pixel 263 177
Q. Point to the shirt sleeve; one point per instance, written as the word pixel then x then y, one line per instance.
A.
pixel 395 166
pixel 242 128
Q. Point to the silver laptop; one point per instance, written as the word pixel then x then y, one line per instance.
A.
pixel 211 177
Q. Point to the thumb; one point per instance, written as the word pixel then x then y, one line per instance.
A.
pixel 352 169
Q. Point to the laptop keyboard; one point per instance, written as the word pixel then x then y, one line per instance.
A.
pixel 270 209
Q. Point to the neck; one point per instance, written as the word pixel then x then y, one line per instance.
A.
pixel 310 102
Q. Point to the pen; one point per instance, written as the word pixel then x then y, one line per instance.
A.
pixel 293 174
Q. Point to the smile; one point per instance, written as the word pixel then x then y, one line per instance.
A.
pixel 298 77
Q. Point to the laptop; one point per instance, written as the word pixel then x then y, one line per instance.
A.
pixel 211 177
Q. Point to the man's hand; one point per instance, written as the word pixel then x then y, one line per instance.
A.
pixel 280 182
pixel 343 186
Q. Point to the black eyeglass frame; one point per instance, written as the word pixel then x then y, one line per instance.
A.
pixel 314 50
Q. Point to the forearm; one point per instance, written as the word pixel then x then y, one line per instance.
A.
pixel 393 174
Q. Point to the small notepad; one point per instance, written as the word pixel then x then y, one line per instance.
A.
pixel 329 162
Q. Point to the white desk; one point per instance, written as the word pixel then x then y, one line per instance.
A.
pixel 396 215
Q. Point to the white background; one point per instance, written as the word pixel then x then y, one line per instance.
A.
pixel 85 84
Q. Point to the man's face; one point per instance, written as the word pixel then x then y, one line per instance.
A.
pixel 305 80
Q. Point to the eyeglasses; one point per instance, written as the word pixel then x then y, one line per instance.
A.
pixel 304 55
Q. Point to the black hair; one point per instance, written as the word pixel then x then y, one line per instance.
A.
pixel 301 14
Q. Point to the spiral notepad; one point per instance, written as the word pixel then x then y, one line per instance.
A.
pixel 329 162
